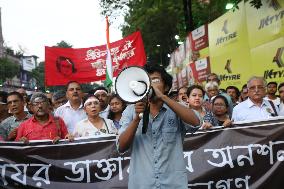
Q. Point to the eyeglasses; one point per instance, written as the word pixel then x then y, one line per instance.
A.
pixel 257 87
pixel 39 103
pixel 156 80
pixel 219 105
pixel 92 103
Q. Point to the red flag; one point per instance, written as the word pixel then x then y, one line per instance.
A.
pixel 89 64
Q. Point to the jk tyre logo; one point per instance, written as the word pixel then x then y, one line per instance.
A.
pixel 225 28
pixel 228 66
pixel 279 57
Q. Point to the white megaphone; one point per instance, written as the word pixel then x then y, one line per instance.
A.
pixel 133 84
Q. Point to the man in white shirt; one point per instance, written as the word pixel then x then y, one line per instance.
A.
pixel 255 107
pixel 281 95
pixel 72 112
pixel 271 93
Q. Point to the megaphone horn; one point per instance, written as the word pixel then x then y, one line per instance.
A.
pixel 132 84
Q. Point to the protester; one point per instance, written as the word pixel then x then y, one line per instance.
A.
pixel 42 125
pixel 244 93
pixel 58 99
pixel 23 92
pixel 195 95
pixel 3 106
pixel 117 106
pixel 271 93
pixel 219 115
pixel 281 95
pixel 182 96
pixel 255 107
pixel 157 159
pixel 234 93
pixel 102 94
pixel 213 77
pixel 8 128
pixel 212 89
pixel 72 112
pixel 93 125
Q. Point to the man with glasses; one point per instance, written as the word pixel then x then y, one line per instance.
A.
pixel 42 125
pixel 157 159
pixel 8 128
pixel 72 112
pixel 255 107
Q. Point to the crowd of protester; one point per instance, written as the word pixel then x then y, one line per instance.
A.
pixel 73 113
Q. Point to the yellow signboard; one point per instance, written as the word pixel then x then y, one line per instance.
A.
pixel 265 24
pixel 268 60
pixel 229 49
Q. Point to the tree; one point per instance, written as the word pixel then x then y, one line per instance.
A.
pixel 159 21
pixel 8 69
pixel 38 74
pixel 63 44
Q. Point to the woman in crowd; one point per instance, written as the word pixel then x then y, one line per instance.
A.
pixel 93 125
pixel 219 115
pixel 117 106
pixel 195 94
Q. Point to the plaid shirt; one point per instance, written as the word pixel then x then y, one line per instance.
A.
pixel 9 124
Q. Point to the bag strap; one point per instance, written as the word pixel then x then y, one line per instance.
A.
pixel 56 120
pixel 273 107
pixel 106 126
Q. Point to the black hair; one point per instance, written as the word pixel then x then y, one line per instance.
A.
pixel 173 93
pixel 211 74
pixel 98 88
pixel 73 81
pixel 111 114
pixel 223 98
pixel 4 96
pixel 272 82
pixel 58 94
pixel 244 86
pixel 167 78
pixel 280 85
pixel 234 88
pixel 19 95
pixel 189 90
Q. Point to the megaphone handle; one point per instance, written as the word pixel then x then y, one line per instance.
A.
pixel 146 114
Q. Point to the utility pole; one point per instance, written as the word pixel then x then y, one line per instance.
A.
pixel 187 9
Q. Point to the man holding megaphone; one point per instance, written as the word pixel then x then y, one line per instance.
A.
pixel 157 159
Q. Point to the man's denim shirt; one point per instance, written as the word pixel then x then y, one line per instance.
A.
pixel 157 159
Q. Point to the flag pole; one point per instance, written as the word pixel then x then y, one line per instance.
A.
pixel 109 71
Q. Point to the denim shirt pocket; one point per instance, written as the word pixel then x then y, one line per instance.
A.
pixel 169 134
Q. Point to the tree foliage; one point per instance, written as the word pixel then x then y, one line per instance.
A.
pixel 160 20
pixel 8 69
pixel 63 44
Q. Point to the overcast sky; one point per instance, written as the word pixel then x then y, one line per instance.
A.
pixel 33 24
